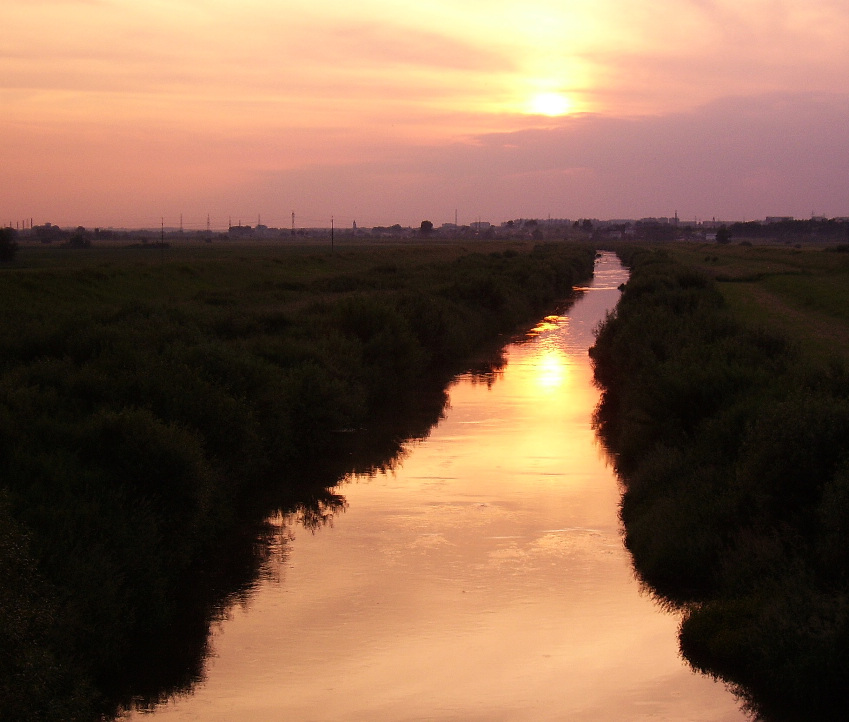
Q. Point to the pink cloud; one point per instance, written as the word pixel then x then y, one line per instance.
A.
pixel 735 158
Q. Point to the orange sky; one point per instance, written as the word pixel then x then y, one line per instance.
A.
pixel 120 113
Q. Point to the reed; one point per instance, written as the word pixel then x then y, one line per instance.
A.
pixel 147 400
pixel 732 441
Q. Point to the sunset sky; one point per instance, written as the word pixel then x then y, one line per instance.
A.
pixel 119 113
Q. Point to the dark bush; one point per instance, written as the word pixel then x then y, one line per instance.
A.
pixel 8 244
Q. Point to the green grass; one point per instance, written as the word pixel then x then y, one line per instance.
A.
pixel 801 293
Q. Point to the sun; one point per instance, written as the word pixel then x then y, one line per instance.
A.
pixel 551 104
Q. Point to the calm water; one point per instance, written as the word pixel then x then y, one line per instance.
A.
pixel 483 579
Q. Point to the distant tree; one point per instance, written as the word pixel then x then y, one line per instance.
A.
pixel 656 232
pixel 79 239
pixel 49 233
pixel 587 225
pixel 8 244
pixel 723 235
pixel 426 228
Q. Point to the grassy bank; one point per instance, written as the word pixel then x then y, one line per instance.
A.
pixel 801 294
pixel 150 397
pixel 728 420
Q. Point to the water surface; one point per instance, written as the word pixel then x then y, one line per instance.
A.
pixel 484 578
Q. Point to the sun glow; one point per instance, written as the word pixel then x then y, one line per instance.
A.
pixel 551 369
pixel 551 104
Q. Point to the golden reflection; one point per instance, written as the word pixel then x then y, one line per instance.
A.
pixel 549 323
pixel 551 369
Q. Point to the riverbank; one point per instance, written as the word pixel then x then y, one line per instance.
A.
pixel 732 441
pixel 148 398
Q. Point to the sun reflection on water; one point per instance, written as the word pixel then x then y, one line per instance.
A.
pixel 550 364
pixel 551 369
pixel 549 323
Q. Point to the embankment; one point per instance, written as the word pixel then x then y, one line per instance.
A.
pixel 734 454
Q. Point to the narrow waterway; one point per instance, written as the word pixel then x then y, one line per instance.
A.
pixel 484 578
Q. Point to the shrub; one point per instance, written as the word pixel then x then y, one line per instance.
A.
pixel 8 244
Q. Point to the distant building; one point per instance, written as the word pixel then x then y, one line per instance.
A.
pixel 240 231
pixel 778 219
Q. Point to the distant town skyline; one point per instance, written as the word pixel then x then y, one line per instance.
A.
pixel 48 232
pixel 122 114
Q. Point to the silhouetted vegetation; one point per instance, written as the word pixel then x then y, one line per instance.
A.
pixel 8 244
pixel 80 238
pixel 154 410
pixel 723 235
pixel 793 231
pixel 733 447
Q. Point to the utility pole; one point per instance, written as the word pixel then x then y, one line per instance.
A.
pixel 331 235
pixel 293 223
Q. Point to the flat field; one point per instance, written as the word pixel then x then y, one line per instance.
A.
pixel 179 271
pixel 803 293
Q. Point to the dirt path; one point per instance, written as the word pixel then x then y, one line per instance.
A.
pixel 826 336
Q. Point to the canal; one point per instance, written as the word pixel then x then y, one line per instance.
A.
pixel 482 578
